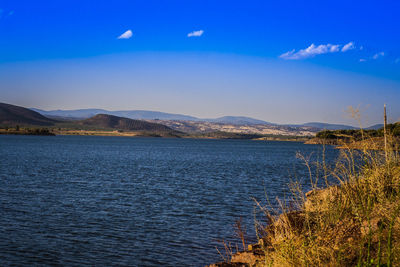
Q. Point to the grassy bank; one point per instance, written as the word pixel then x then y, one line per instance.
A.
pixel 354 220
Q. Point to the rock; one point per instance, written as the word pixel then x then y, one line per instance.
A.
pixel 246 257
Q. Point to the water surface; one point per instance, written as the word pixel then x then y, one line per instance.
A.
pixel 86 200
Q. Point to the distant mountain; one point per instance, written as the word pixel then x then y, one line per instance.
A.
pixel 113 122
pixel 145 115
pixel 15 115
pixel 327 126
pixel 77 113
pixel 238 120
pixel 131 114
pixel 375 127
pixel 153 115
pixel 156 115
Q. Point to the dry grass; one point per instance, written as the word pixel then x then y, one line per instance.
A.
pixel 353 223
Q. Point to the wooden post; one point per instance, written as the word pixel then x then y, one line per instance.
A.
pixel 384 130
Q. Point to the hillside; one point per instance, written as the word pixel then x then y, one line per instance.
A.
pixel 131 114
pixel 163 116
pixel 105 121
pixel 145 115
pixel 259 129
pixel 14 115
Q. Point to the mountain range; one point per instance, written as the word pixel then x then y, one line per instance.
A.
pixel 154 122
pixel 156 115
pixel 144 115
pixel 131 114
pixel 11 115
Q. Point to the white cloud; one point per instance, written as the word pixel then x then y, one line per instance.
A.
pixel 195 33
pixel 126 35
pixel 311 51
pixel 378 55
pixel 288 54
pixel 348 47
pixel 362 60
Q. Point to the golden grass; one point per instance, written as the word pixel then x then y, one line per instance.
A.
pixel 353 223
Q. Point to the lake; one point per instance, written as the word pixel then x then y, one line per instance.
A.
pixel 90 200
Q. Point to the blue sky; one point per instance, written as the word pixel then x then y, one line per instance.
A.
pixel 281 61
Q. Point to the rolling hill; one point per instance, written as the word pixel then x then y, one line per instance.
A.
pixel 106 121
pixel 11 115
pixel 146 115
pixel 156 115
pixel 375 127
pixel 131 114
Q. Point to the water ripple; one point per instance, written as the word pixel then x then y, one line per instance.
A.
pixel 74 200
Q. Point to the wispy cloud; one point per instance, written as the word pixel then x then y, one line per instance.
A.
pixel 378 55
pixel 126 35
pixel 397 60
pixel 362 60
pixel 311 51
pixel 347 47
pixel 195 33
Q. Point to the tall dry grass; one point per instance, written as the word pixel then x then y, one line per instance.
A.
pixel 354 221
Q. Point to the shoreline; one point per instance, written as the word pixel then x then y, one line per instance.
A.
pixel 211 135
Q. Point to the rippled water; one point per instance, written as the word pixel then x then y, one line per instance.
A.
pixel 81 200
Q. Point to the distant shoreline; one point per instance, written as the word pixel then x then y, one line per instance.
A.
pixel 212 135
